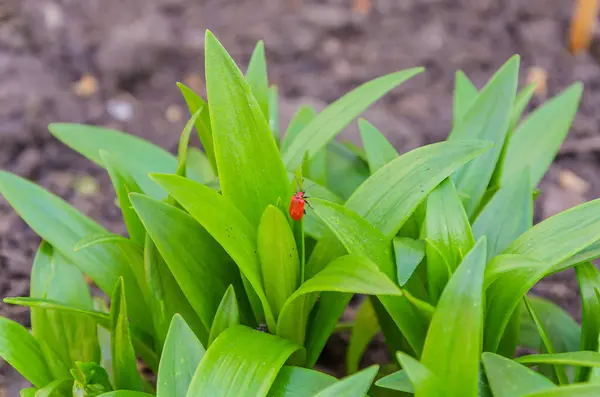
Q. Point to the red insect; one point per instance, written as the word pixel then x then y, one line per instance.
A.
pixel 297 210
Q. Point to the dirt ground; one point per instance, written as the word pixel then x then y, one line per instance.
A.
pixel 137 49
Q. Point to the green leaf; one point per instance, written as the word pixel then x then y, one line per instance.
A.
pixel 487 119
pixel 521 102
pixel 508 215
pixel 56 388
pixel 581 390
pixel 228 227
pixel 339 114
pixel 165 295
pixel 203 127
pixel 453 344
pixel 560 236
pixel 227 315
pixel 465 94
pixel 510 379
pixel 448 228
pixel 125 393
pixel 125 371
pixel 379 150
pixel 589 253
pixel 184 141
pixel 200 164
pixel 28 392
pixel 241 362
pixel 137 156
pixel 200 266
pixel 345 169
pixel 356 385
pixel 278 254
pixel 399 380
pixel 421 378
pixel 537 140
pixel 256 76
pixel 251 172
pixel 301 119
pixel 274 112
pixel 561 375
pixel 299 382
pixel 409 253
pixel 90 379
pixel 366 326
pixel 350 273
pixel 63 227
pixel 181 355
pixel 70 337
pixel 124 184
pixel 20 349
pixel 588 279
pixel 579 358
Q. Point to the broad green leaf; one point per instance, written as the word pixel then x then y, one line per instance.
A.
pixel 350 273
pixel 537 140
pixel 589 253
pixel 89 379
pixel 317 167
pixel 200 164
pixel 465 94
pixel 125 393
pixel 181 355
pixel 508 278
pixel 562 329
pixel 345 170
pixel 301 119
pixel 508 215
pixel 356 385
pixel 227 225
pixel 588 279
pixel 124 184
pixel 184 141
pixel 424 381
pixel 241 362
pixel 521 102
pixel 578 358
pixel 28 392
pixel 137 156
pixel 560 236
pixel 105 238
pixel 63 227
pixel 448 228
pixel 251 172
pixel 279 260
pixel 20 349
pixel 379 150
pixel 256 76
pixel 409 253
pixel 386 200
pixel 227 315
pixel 366 326
pixel 197 262
pixel 299 382
pixel 487 119
pixel 580 390
pixel 327 124
pixel 165 295
pixel 70 337
pixel 453 344
pixel 56 388
pixel 561 375
pixel 510 379
pixel 125 371
pixel 399 380
pixel 203 127
pixel 274 112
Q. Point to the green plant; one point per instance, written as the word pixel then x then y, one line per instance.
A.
pixel 440 239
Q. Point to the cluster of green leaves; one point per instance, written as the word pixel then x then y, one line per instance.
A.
pixel 440 239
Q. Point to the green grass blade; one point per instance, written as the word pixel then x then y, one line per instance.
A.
pixel 588 279
pixel 184 141
pixel 274 112
pixel 251 172
pixel 63 227
pixel 200 266
pixel 301 119
pixel 256 76
pixel 125 371
pixel 578 358
pixel 203 127
pixel 379 150
pixel 20 349
pixel 339 114
pixel 521 101
pixel 508 378
pixel 453 345
pixel 227 315
pixel 508 215
pixel 241 362
pixel 465 94
pixel 365 327
pixel 181 355
pixel 356 385
pixel 581 390
pixel 537 140
pixel 299 382
pixel 487 119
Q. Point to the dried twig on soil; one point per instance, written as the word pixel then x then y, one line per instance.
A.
pixel 582 25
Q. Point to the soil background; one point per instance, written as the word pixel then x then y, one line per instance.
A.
pixel 115 63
